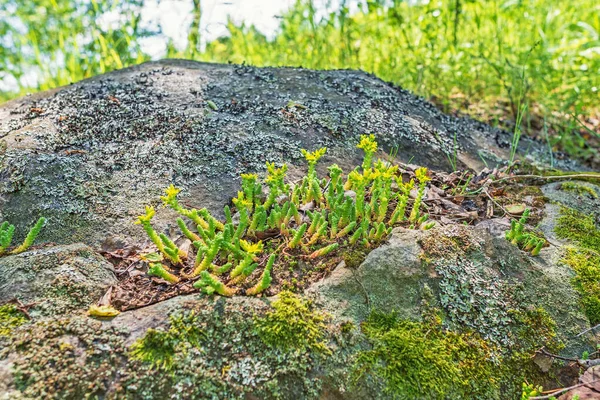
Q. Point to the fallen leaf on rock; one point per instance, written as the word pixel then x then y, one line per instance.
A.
pixel 516 209
pixel 103 311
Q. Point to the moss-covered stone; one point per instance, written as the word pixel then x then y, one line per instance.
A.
pixel 294 323
pixel 584 259
pixel 578 227
pixel 159 346
pixel 580 189
pixel 423 361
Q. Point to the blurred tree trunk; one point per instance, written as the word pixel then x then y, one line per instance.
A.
pixel 194 35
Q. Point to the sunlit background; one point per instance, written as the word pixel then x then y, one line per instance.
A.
pixel 491 59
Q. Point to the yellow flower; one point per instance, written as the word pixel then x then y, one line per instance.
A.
pixel 252 248
pixel 355 178
pixel 368 143
pixel 370 174
pixel 240 201
pixel 275 174
pixel 315 155
pixel 146 217
pixel 250 177
pixel 171 194
pixel 421 174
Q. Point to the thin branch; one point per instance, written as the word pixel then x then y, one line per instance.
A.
pixel 587 330
pixel 549 177
pixel 561 391
pixel 544 352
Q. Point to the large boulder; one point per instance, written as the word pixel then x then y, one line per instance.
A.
pixel 479 280
pixel 90 156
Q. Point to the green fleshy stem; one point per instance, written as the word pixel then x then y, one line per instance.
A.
pixel 257 219
pixel 246 272
pixel 538 248
pixel 356 235
pixel 227 212
pixel 185 230
pixel 265 279
pixel 346 230
pixel 174 253
pixel 158 270
pixel 210 284
pixel 510 234
pixel 7 232
pixel 31 236
pixel 333 223
pixel 314 225
pixel 414 214
pixel 320 233
pixel 298 235
pixel 239 269
pixel 382 210
pixel 208 217
pixel 380 232
pixel 208 258
pixel 153 236
pixel 324 251
pixel 219 270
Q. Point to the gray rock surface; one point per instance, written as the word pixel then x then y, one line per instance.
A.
pixel 57 279
pixel 90 156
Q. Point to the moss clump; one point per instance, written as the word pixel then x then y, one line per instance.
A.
pixel 158 347
pixel 293 323
pixel 578 227
pixel 533 328
pixel 580 189
pixel 587 281
pixel 422 360
pixel 355 256
pixel 583 259
pixel 229 361
pixel 10 318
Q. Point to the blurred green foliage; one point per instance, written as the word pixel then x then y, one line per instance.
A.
pixel 486 58
pixel 49 43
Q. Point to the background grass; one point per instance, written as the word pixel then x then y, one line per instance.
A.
pixel 486 58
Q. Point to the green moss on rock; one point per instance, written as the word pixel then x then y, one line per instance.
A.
pixel 293 323
pixel 159 346
pixel 587 281
pixel 580 189
pixel 418 360
pixel 584 259
pixel 10 318
pixel 579 228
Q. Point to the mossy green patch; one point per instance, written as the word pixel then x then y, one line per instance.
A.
pixel 587 281
pixel 578 227
pixel 583 259
pixel 293 322
pixel 10 318
pixel 65 359
pixel 425 360
pixel 422 360
pixel 354 256
pixel 580 189
pixel 158 346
